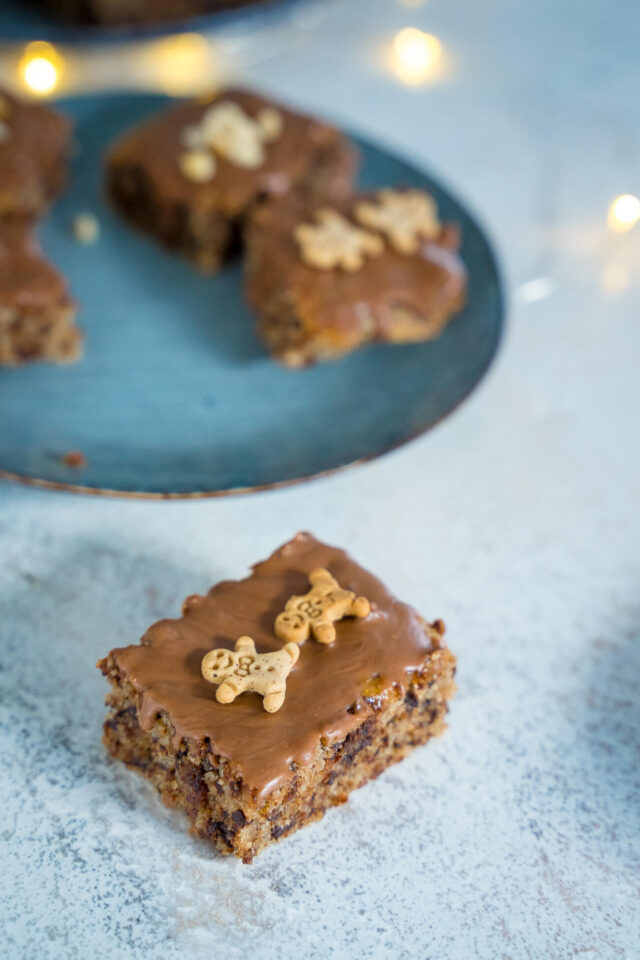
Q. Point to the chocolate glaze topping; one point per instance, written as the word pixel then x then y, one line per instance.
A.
pixel 323 687
pixel 27 280
pixel 36 142
pixel 427 283
pixel 156 145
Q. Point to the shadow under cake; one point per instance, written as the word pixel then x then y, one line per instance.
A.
pixel 34 148
pixel 246 777
pixel 36 311
pixel 319 310
pixel 193 174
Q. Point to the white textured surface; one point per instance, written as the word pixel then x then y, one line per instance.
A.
pixel 518 520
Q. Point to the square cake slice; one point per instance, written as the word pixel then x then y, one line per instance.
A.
pixel 34 147
pixel 36 312
pixel 361 693
pixel 326 280
pixel 193 174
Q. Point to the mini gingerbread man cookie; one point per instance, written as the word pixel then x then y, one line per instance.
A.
pixel 404 216
pixel 226 129
pixel 243 670
pixel 316 611
pixel 333 241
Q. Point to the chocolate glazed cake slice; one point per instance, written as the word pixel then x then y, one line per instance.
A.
pixel 36 311
pixel 353 705
pixel 193 175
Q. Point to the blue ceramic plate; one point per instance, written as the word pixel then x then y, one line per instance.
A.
pixel 26 20
pixel 175 394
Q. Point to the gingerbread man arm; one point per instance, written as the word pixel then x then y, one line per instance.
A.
pixel 360 607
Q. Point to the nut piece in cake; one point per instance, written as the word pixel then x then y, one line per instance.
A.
pixel 34 146
pixel 193 175
pixel 246 777
pixel 36 311
pixel 325 281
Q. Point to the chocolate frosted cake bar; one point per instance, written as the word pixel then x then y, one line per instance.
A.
pixel 34 145
pixel 318 680
pixel 328 279
pixel 192 175
pixel 36 311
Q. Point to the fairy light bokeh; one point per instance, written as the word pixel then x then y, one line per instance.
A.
pixel 624 213
pixel 415 56
pixel 40 69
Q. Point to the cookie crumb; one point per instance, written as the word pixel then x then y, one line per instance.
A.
pixel 271 122
pixel 74 459
pixel 198 165
pixel 86 228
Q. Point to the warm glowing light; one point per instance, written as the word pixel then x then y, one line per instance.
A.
pixel 182 63
pixel 615 279
pixel 411 3
pixel 40 68
pixel 414 55
pixel 624 213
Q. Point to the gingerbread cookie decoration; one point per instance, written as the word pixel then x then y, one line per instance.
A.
pixel 333 241
pixel 315 612
pixel 405 217
pixel 242 670
pixel 227 130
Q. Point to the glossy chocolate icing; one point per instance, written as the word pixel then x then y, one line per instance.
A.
pixel 27 280
pixel 363 304
pixel 35 144
pixel 324 698
pixel 156 146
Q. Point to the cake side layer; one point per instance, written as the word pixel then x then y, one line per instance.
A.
pixel 225 810
pixel 36 311
pixel 47 334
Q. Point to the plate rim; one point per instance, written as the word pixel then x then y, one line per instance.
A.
pixel 501 315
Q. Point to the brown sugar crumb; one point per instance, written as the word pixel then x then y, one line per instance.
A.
pixel 86 228
pixel 74 459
